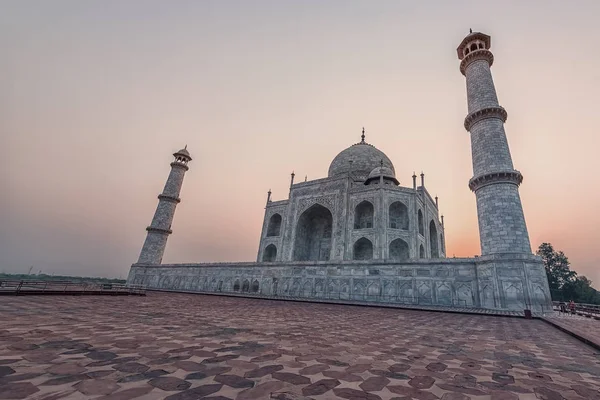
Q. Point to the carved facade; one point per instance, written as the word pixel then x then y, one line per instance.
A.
pixel 359 235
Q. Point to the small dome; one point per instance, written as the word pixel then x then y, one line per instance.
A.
pixel 364 158
pixel 387 173
pixel 183 152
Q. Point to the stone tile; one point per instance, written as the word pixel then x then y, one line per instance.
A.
pixel 94 387
pixel 374 384
pixel 234 381
pixel 353 394
pixel 199 392
pixel 18 390
pixel 266 370
pixel 291 378
pixel 262 391
pixel 169 383
pixel 128 394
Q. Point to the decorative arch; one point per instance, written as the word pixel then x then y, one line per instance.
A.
pixel 363 215
pixel 398 215
pixel 363 249
pixel 313 234
pixel 421 251
pixel 270 253
pixel 420 222
pixel 433 240
pixel 274 227
pixel 443 246
pixel 236 285
pixel 399 250
pixel 246 286
pixel 255 286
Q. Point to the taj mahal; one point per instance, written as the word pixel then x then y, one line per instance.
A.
pixel 361 235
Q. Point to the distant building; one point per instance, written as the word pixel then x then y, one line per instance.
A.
pixel 359 212
pixel 359 235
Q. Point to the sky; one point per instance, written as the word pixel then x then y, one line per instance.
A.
pixel 95 96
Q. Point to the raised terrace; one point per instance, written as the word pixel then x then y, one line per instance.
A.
pixel 188 346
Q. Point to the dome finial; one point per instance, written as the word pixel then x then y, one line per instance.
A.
pixel 470 30
pixel 363 135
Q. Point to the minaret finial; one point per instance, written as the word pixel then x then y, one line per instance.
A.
pixel 185 148
pixel 363 135
pixel 470 30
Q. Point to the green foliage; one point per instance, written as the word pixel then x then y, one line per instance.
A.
pixel 564 284
pixel 44 277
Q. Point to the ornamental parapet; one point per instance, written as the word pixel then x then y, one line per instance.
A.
pixel 179 165
pixel 485 113
pixel 159 230
pixel 512 176
pixel 481 54
pixel 168 198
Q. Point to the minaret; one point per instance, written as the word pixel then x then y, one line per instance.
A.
pixel 160 228
pixel 495 182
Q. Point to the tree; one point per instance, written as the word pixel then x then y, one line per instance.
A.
pixel 557 266
pixel 565 284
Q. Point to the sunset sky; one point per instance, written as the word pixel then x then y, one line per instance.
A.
pixel 95 96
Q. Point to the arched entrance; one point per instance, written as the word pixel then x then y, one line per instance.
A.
pixel 363 249
pixel 313 235
pixel 399 250
pixel 270 253
pixel 433 240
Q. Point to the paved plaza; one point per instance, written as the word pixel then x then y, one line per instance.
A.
pixel 186 346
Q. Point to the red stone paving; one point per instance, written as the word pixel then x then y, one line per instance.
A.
pixel 183 346
pixel 586 328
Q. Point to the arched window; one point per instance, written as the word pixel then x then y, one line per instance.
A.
pixel 473 47
pixel 363 249
pixel 274 225
pixel 255 286
pixel 398 216
pixel 220 286
pixel 442 243
pixel 421 251
pixel 236 285
pixel 270 253
pixel 433 240
pixel 313 235
pixel 467 51
pixel 420 218
pixel 399 250
pixel 363 215
pixel 246 286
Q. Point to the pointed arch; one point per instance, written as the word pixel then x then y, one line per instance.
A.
pixel 236 285
pixel 433 240
pixel 255 286
pixel 274 227
pixel 420 222
pixel 270 253
pixel 442 244
pixel 398 215
pixel 421 251
pixel 363 215
pixel 246 286
pixel 399 250
pixel 313 234
pixel 363 249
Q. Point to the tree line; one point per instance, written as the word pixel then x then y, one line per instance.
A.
pixel 565 284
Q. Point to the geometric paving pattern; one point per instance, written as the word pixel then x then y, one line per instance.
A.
pixel 184 346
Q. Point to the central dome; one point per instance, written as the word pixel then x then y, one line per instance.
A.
pixel 364 157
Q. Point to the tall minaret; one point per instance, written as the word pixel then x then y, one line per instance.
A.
pixel 160 228
pixel 495 182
